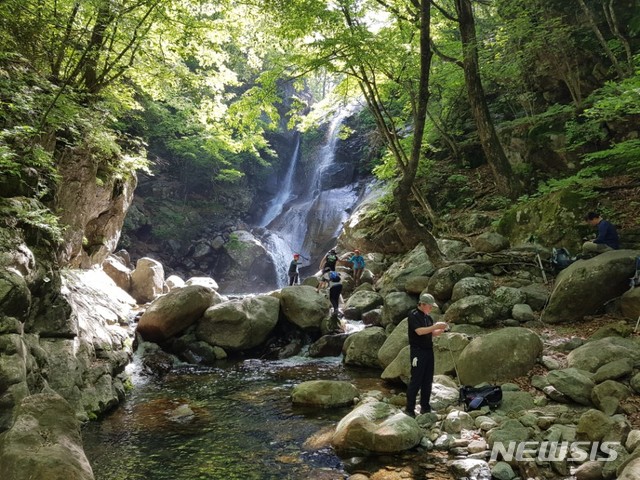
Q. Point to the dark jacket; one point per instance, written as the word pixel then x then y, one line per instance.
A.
pixel 419 319
pixel 607 234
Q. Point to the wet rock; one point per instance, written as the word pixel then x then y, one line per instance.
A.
pixel 239 324
pixel 174 312
pixel 361 348
pixel 328 346
pixel 44 442
pixel 324 393
pixel 376 427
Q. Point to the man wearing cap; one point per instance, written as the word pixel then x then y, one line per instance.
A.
pixel 421 333
pixel 357 261
pixel 293 269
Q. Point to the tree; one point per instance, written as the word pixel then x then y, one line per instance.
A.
pixel 503 174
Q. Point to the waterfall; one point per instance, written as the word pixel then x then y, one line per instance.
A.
pixel 310 222
pixel 277 203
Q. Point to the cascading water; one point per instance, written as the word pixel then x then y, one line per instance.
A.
pixel 277 203
pixel 310 222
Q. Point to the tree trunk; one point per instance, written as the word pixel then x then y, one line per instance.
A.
pixel 500 167
pixel 406 183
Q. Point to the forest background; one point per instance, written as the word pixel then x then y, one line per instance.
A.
pixel 471 105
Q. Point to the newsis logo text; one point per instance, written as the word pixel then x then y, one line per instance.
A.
pixel 555 451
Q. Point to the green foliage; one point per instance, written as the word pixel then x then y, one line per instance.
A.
pixel 32 217
pixel 234 244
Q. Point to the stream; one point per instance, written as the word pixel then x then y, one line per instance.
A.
pixel 234 421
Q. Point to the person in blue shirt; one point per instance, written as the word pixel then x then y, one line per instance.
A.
pixel 357 261
pixel 607 238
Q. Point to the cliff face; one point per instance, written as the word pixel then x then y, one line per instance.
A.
pixel 92 205
pixel 64 342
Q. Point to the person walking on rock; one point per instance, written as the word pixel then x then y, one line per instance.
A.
pixel 333 282
pixel 421 333
pixel 330 260
pixel 358 263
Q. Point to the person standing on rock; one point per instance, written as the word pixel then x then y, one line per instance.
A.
pixel 357 261
pixel 294 276
pixel 421 333
pixel 607 238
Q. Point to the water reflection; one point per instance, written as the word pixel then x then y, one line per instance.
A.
pixel 231 422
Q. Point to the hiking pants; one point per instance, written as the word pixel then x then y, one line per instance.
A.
pixel 293 278
pixel 334 297
pixel 422 369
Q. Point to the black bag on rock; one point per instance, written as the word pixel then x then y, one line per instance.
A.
pixel 478 397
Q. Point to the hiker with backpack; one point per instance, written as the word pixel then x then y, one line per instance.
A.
pixel 331 280
pixel 607 238
pixel 330 260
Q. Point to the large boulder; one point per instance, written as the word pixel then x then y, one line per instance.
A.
pixel 473 310
pixel 447 348
pixel 399 370
pixel 573 383
pixel 361 302
pixel 118 271
pixel 498 356
pixel 239 324
pixel 586 285
pixel 397 306
pixel 147 280
pixel 443 280
pixel 630 303
pixel 490 242
pixel 361 348
pixel 376 427
pixel 324 393
pixel 470 286
pixel 44 442
pixel 396 341
pixel 414 264
pixel 250 266
pixel 304 307
pixel 593 355
pixel 505 298
pixel 174 312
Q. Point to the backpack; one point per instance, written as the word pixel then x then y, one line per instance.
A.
pixel 476 398
pixel 334 276
pixel 560 258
